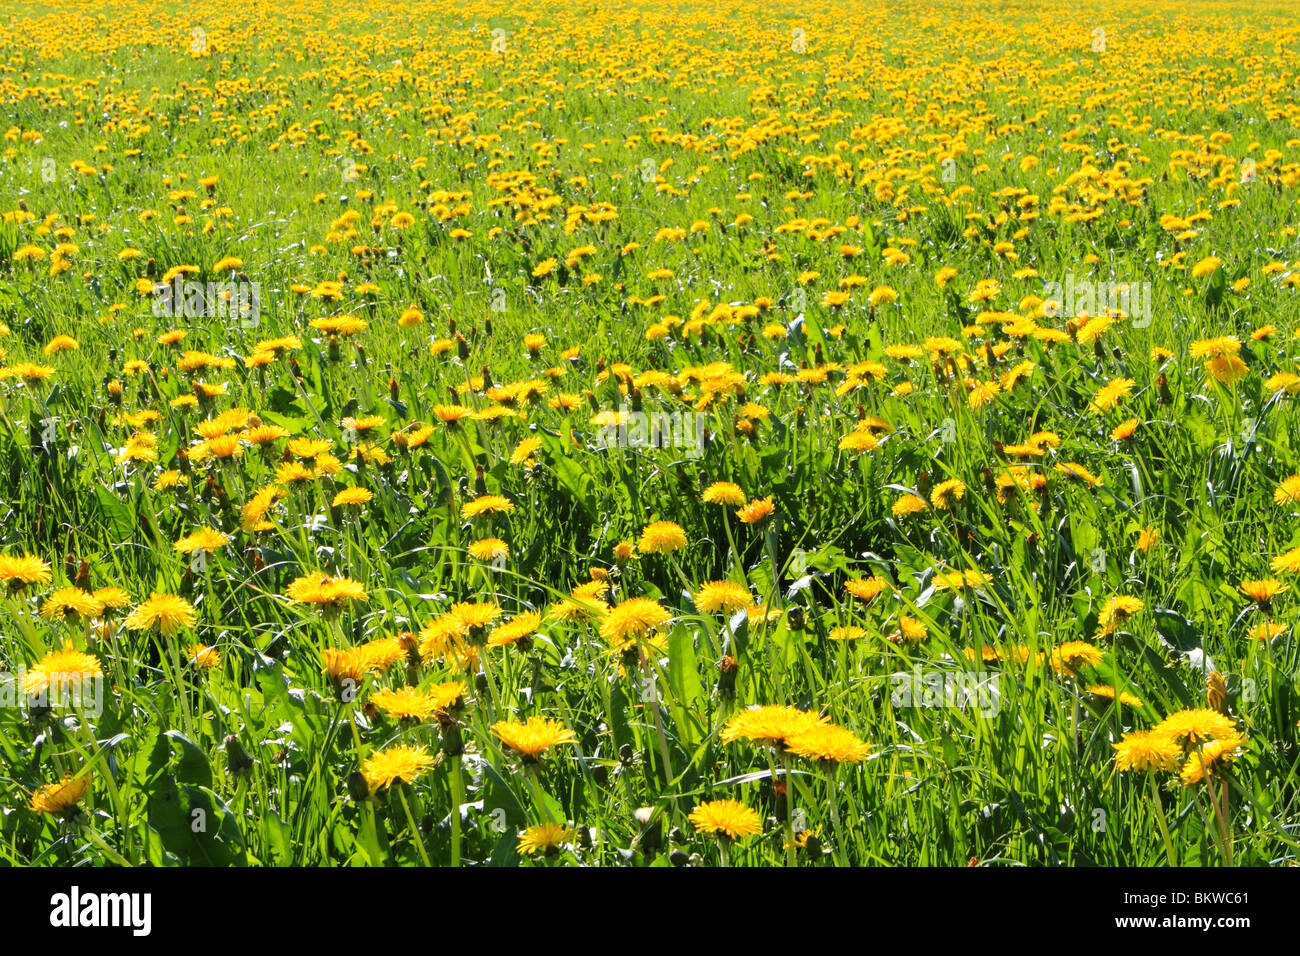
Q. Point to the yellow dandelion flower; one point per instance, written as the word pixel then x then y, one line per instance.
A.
pixel 660 537
pixel 385 767
pixel 729 819
pixel 165 613
pixel 533 737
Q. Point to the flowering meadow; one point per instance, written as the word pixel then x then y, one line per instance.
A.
pixel 625 434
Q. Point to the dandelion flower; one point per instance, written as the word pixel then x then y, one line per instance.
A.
pixel 770 725
pixel 1288 491
pixel 1197 726
pixel 20 571
pixel 63 671
pixel 62 797
pixel 722 596
pixel 486 505
pixel 1211 759
pixel 632 620
pixel 518 630
pixel 352 497
pixel 1143 750
pixel 166 613
pixel 385 767
pixel 828 743
pixel 533 737
pixel 205 539
pixel 724 493
pixel 1072 656
pixel 1263 590
pixel 729 819
pixel 1116 611
pixel 756 511
pixel 324 591
pixel 545 838
pixel 662 537
pixel 489 549
pixel 71 603
pixel 947 492
pixel 1288 562
pixel 866 589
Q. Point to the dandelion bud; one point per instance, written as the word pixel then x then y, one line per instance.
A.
pixel 452 743
pixel 1162 384
pixel 358 789
pixel 238 760
pixel 651 837
pixel 1216 692
pixel 728 667
pixel 407 642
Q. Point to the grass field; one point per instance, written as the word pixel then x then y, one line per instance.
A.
pixel 650 434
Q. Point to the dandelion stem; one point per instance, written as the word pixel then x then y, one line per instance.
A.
pixel 790 848
pixel 836 828
pixel 410 822
pixel 652 705
pixel 1220 817
pixel 457 798
pixel 1160 818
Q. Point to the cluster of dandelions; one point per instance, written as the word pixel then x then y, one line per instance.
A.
pixel 1200 746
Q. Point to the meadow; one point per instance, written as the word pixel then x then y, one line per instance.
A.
pixel 628 434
